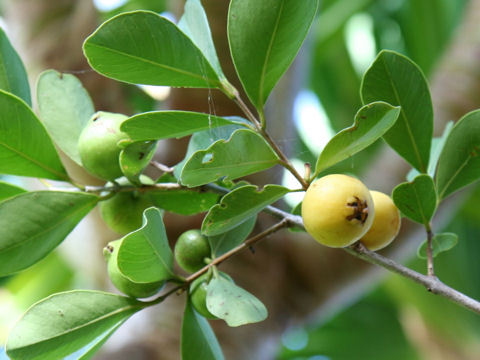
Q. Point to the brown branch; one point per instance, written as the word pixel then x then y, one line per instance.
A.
pixel 284 223
pixel 431 283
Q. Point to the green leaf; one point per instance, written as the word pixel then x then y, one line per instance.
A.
pixel 198 339
pixel 13 77
pixel 459 163
pixel 437 146
pixel 25 147
pixel 226 241
pixel 144 255
pixel 395 79
pixel 371 123
pixel 194 24
pixel 233 304
pixel 8 190
pixel 141 47
pixel 440 243
pixel 66 322
pixel 65 108
pixel 135 157
pixel 184 202
pixel 244 153
pixel 169 124
pixel 202 140
pixel 417 200
pixel 238 206
pixel 88 351
pixel 34 223
pixel 264 38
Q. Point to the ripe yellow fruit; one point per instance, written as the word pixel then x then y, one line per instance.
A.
pixel 337 210
pixel 386 224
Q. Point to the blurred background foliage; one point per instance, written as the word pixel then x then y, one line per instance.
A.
pixel 393 319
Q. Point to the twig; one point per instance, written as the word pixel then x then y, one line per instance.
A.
pixel 431 283
pixel 245 245
pixel 284 160
pixel 430 269
pixel 159 186
pixel 260 127
pixel 162 167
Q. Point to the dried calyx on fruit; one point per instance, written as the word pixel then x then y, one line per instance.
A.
pixel 337 210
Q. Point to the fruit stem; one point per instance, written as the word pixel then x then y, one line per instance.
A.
pixel 430 269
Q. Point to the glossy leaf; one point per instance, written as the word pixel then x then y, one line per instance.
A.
pixel 184 202
pixel 202 140
pixel 65 108
pixel 226 241
pixel 144 255
pixel 371 123
pixel 8 190
pixel 135 157
pixel 25 147
pixel 13 77
pixel 440 243
pixel 169 124
pixel 198 339
pixel 459 163
pixel 395 79
pixel 244 153
pixel 437 147
pixel 142 47
pixel 238 206
pixel 233 304
pixel 88 351
pixel 264 38
pixel 417 200
pixel 67 322
pixel 47 217
pixel 194 24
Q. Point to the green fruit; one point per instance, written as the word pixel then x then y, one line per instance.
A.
pixel 123 212
pixel 98 147
pixel 121 282
pixel 198 294
pixel 191 250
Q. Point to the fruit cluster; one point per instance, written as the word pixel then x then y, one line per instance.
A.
pixel 339 210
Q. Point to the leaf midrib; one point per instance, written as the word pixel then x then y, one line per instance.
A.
pixel 54 225
pixel 213 82
pixel 84 325
pixel 36 162
pixel 267 54
pixel 404 117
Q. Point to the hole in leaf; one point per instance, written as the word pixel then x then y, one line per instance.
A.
pixel 207 158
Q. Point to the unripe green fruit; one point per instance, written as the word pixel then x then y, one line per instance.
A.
pixel 191 250
pixel 386 224
pixel 98 147
pixel 198 294
pixel 123 212
pixel 121 282
pixel 337 210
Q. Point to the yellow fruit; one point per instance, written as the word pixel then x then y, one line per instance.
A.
pixel 337 210
pixel 386 224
